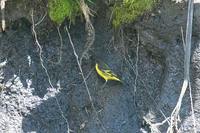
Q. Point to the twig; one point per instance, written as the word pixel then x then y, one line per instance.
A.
pixel 46 71
pixel 84 79
pixel 175 112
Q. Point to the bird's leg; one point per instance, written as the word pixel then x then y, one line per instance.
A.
pixel 104 85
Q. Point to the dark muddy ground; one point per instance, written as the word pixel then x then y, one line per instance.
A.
pixel 28 102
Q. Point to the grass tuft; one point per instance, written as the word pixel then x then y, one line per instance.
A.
pixel 60 9
pixel 128 10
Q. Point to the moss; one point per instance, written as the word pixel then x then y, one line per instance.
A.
pixel 128 10
pixel 60 9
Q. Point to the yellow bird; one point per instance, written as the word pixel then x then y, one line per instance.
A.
pixel 106 74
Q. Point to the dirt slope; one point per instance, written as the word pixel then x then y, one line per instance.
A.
pixel 28 102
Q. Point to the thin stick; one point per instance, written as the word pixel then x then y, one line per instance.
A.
pixel 46 71
pixel 84 79
pixel 175 112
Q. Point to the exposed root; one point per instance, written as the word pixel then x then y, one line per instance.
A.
pixel 139 79
pixel 155 126
pixel 175 113
pixel 190 89
pixel 89 28
pixel 3 21
pixel 136 66
pixel 142 82
pixel 41 20
pixel 183 38
pixel 61 45
pixel 192 109
pixel 84 80
pixel 60 37
pixel 60 53
pixel 60 49
pixel 46 71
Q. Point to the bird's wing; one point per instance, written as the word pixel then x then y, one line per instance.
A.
pixel 109 73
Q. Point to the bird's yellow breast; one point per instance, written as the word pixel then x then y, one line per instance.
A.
pixel 106 74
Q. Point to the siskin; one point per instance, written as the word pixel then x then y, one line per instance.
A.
pixel 106 74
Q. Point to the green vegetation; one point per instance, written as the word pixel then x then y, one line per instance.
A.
pixel 128 10
pixel 61 9
pixel 125 11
